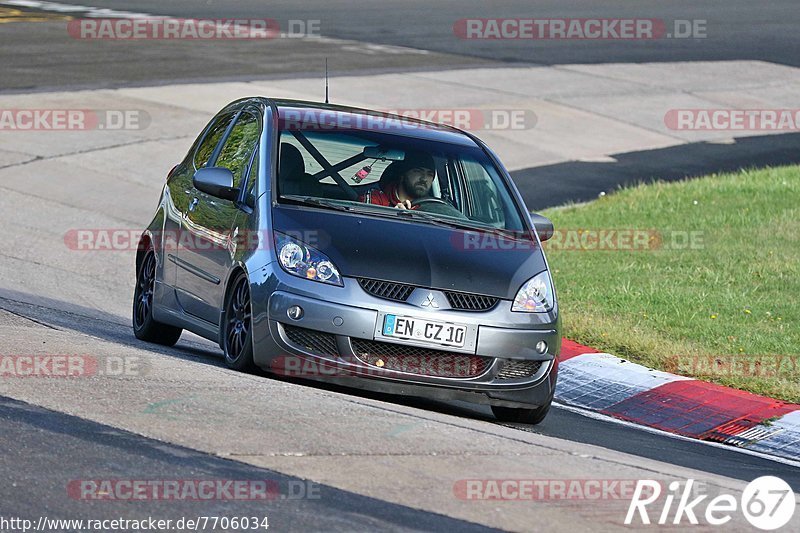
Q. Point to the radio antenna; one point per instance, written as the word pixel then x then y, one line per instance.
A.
pixel 326 80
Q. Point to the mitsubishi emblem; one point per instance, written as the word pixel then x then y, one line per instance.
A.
pixel 430 301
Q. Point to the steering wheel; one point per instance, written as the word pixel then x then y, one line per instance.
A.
pixel 438 206
pixel 429 200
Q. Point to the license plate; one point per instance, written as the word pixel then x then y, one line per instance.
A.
pixel 405 327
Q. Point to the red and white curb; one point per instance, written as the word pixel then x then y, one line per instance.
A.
pixel 684 406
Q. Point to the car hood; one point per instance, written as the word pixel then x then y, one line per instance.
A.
pixel 416 253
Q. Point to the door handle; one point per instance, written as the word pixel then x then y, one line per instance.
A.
pixel 194 203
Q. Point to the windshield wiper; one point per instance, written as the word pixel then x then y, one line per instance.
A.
pixel 316 202
pixel 455 223
pixel 400 213
pixel 410 213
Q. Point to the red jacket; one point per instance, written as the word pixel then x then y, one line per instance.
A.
pixel 380 197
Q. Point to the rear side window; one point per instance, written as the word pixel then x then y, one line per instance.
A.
pixel 211 139
pixel 239 147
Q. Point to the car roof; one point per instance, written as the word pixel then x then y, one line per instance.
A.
pixel 310 112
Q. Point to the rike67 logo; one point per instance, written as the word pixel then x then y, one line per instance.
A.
pixel 767 503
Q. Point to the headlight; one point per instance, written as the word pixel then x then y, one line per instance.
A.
pixel 304 261
pixel 536 295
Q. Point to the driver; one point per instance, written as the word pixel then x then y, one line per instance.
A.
pixel 414 181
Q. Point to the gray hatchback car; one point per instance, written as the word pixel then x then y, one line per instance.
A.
pixel 355 247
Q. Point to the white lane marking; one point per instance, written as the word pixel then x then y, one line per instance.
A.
pixel 600 380
pixel 374 49
pixel 784 434
pixel 605 418
pixel 57 7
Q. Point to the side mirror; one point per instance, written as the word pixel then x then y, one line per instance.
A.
pixel 544 226
pixel 216 181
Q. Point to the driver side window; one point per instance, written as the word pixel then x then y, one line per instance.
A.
pixel 482 191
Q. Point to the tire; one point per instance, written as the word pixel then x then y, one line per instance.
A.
pixel 237 328
pixel 144 326
pixel 522 416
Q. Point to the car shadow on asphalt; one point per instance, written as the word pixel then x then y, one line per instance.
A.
pixel 60 314
pixel 578 181
pixel 68 480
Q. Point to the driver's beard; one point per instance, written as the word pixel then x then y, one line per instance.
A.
pixel 413 194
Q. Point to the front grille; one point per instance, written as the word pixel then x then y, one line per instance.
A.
pixel 314 342
pixel 519 369
pixel 422 361
pixel 388 290
pixel 399 292
pixel 470 302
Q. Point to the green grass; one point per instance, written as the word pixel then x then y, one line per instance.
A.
pixel 726 309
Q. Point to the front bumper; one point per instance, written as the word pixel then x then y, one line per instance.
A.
pixel 498 364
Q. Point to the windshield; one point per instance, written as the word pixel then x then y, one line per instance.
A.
pixel 386 174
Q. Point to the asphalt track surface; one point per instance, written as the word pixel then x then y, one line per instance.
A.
pixel 45 56
pixel 45 447
pixel 34 432
pixel 560 423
